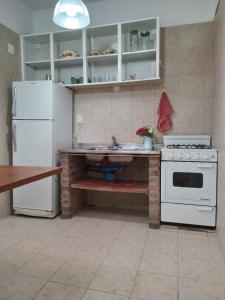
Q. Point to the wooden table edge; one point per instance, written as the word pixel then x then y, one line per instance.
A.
pixel 23 181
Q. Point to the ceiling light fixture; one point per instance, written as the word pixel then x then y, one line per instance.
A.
pixel 71 14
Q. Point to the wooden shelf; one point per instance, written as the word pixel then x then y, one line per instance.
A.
pixel 117 186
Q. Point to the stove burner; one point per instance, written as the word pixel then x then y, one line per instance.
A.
pixel 188 146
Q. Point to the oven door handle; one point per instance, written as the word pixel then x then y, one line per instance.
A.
pixel 205 166
pixel 205 209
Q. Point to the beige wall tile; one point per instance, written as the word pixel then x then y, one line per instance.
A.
pixel 172 38
pixel 191 111
pixel 124 132
pixel 196 60
pixel 122 111
pixel 191 86
pixel 196 35
pixel 172 62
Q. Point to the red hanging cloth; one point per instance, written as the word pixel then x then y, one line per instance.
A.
pixel 164 110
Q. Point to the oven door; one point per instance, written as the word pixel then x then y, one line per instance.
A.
pixel 189 183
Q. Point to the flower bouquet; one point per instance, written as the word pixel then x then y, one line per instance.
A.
pixel 148 133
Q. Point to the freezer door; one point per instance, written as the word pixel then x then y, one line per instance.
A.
pixel 32 146
pixel 32 100
pixel 32 142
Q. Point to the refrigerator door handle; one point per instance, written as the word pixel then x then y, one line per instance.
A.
pixel 14 102
pixel 14 138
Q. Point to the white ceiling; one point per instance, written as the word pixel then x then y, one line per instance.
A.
pixel 44 4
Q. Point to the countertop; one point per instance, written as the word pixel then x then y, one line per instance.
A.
pixel 108 152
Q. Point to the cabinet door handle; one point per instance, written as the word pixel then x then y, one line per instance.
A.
pixel 14 102
pixel 14 138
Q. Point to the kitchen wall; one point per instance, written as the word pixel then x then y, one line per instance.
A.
pixel 219 116
pixel 187 74
pixel 9 71
pixel 191 11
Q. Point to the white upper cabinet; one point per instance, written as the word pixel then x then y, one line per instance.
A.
pixel 112 54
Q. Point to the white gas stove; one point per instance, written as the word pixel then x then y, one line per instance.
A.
pixel 188 180
pixel 188 148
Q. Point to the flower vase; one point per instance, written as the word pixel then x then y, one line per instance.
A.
pixel 148 143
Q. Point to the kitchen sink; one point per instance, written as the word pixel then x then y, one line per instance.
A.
pixel 120 159
pixel 95 157
pixel 98 157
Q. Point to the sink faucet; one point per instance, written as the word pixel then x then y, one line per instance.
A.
pixel 114 142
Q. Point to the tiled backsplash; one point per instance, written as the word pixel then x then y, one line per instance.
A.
pixel 186 72
pixel 9 71
pixel 219 116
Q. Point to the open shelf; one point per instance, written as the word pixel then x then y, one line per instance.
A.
pixel 64 62
pixel 103 58
pixel 117 186
pixel 39 64
pixel 42 55
pixel 137 82
pixel 139 54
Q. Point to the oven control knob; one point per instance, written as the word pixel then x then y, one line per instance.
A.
pixel 196 156
pixel 205 156
pixel 188 156
pixel 171 155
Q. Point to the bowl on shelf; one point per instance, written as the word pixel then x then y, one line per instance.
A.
pixel 94 52
pixel 70 53
pixel 109 51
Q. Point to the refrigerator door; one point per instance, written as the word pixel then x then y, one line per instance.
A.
pixel 32 100
pixel 32 146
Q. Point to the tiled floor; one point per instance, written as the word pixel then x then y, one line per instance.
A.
pixel 99 255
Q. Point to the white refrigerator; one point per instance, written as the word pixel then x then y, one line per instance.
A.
pixel 41 125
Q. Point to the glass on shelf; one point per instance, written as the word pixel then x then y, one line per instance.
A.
pixel 145 40
pixel 153 39
pixel 134 40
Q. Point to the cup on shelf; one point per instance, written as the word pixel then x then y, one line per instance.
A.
pixel 132 76
pixel 144 40
pixel 48 77
pixel 74 80
pixel 81 79
pixel 134 40
pixel 107 77
pixel 97 79
pixel 153 39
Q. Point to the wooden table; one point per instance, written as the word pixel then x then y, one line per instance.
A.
pixel 13 176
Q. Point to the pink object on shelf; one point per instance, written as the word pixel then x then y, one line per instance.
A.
pixel 164 111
